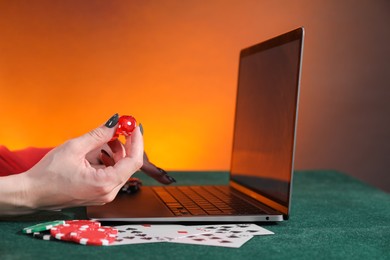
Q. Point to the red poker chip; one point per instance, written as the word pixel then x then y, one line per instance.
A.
pixel 62 232
pixel 81 223
pixel 101 236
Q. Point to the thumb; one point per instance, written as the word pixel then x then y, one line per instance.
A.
pixel 98 136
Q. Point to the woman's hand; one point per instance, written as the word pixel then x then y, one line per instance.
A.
pixel 65 177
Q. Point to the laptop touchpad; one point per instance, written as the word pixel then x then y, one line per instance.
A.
pixel 144 203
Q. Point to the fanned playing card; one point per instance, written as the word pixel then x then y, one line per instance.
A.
pixel 132 235
pixel 237 229
pixel 147 233
pixel 226 235
pixel 213 239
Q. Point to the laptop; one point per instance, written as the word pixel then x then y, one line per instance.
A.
pixel 262 160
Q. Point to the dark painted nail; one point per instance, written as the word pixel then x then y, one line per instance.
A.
pixel 112 121
pixel 141 129
pixel 161 170
pixel 170 178
pixel 165 174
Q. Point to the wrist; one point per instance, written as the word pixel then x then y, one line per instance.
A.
pixel 16 197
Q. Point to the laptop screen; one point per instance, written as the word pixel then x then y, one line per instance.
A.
pixel 266 114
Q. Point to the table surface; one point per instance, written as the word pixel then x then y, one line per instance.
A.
pixel 333 216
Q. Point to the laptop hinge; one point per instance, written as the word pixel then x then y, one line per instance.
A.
pixel 258 197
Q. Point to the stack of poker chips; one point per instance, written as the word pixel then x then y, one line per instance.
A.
pixel 85 232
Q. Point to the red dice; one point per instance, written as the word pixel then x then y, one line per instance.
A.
pixel 126 126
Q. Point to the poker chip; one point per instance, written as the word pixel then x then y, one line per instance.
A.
pixel 80 223
pixel 42 226
pixel 62 232
pixel 85 232
pixel 130 188
pixel 44 235
pixel 101 236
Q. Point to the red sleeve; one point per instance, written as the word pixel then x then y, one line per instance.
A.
pixel 12 162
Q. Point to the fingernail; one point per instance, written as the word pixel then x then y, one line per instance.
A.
pixel 112 121
pixel 161 170
pixel 170 178
pixel 141 129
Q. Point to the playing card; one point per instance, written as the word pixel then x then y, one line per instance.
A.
pixel 212 239
pixel 227 235
pixel 237 229
pixel 133 235
pixel 136 234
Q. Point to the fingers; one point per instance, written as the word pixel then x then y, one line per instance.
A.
pixel 134 145
pixel 118 151
pixel 133 160
pixel 155 172
pixel 106 159
pixel 125 159
pixel 97 137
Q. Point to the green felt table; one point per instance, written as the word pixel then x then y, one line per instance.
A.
pixel 333 216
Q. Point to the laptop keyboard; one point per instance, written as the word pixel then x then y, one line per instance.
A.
pixel 199 200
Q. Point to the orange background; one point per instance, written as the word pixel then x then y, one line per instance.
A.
pixel 67 66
